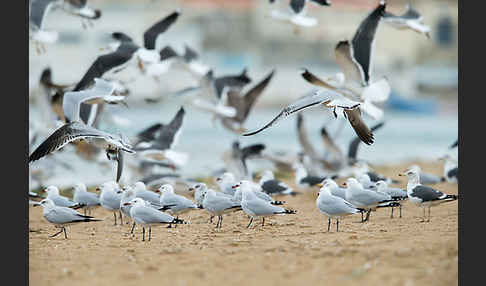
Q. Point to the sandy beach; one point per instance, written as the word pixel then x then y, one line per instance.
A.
pixel 288 250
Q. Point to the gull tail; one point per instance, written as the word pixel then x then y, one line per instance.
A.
pixel 450 198
pixel 289 211
pixel 278 203
pixel 389 204
pixel 303 21
pixel 77 206
pixel 178 221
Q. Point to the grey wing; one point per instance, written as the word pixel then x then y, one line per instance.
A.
pixel 361 129
pixel 260 207
pixel 151 215
pixel 63 201
pixel 352 70
pixel 313 79
pixel 63 215
pixel 427 193
pixel 150 36
pixel 251 96
pixel 38 10
pixel 169 133
pixel 362 42
pixel 72 101
pixel 309 100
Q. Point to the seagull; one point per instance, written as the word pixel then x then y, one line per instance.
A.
pixel 127 195
pixel 302 179
pixel 145 215
pixel 355 57
pixel 454 145
pixel 423 196
pixel 237 196
pixel 297 12
pixel 397 194
pixel 148 196
pixel 110 199
pixel 62 216
pixel 366 182
pixel 173 203
pixel 58 200
pixel 411 19
pixel 272 186
pixel 147 54
pixel 333 188
pixel 236 158
pixel 189 61
pixel 160 148
pixel 243 103
pixel 333 206
pixel 218 205
pixel 329 99
pixel 75 129
pixel 83 197
pixel 226 182
pixel 451 169
pixel 365 198
pixel 426 178
pixel 38 10
pixel 255 207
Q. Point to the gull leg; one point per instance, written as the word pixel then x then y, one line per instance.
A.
pixel 337 225
pixel 56 233
pixel 361 216
pixel 400 210
pixel 221 222
pixel 133 226
pixel 251 220
pixel 114 214
pixel 211 219
pixel 150 232
pixel 175 225
pixel 328 224
pixel 263 221
pixel 392 212
pixel 423 217
pixel 65 234
pixel 121 219
pixel 429 215
pixel 367 215
pixel 143 233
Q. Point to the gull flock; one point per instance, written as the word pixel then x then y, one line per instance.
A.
pixel 73 123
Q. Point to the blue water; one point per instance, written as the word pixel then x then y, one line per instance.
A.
pixel 405 136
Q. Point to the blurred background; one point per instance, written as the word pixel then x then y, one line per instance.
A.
pixel 420 116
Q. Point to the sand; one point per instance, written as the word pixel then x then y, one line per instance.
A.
pixel 289 250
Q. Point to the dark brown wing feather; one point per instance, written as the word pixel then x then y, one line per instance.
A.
pixel 150 36
pixel 363 132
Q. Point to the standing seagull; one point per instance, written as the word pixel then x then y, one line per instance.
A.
pixel 75 130
pixel 255 207
pixel 58 200
pixel 173 203
pixel 217 205
pixel 38 10
pixel 397 194
pixel 333 206
pixel 110 199
pixel 411 19
pixel 272 186
pixel 297 12
pixel 82 196
pixel 427 178
pixel 424 196
pixel 145 215
pixel 62 216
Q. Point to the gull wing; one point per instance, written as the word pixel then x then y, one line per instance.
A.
pixel 38 10
pixel 151 34
pixel 313 98
pixel 363 132
pixel 100 92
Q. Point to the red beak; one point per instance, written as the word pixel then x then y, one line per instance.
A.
pixel 235 186
pixel 126 204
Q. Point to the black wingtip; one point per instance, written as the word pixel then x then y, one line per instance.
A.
pixel 97 14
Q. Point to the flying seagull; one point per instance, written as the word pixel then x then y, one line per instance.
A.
pixel 297 12
pixel 355 57
pixel 243 104
pixel 38 10
pixel 423 196
pixel 160 148
pixel 411 19
pixel 329 99
pixel 75 130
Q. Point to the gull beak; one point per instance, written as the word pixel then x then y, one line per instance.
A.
pixel 218 179
pixel 157 191
pixel 98 189
pixel 344 184
pixel 127 204
pixel 191 189
pixel 235 186
pixel 320 185
pixel 43 191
